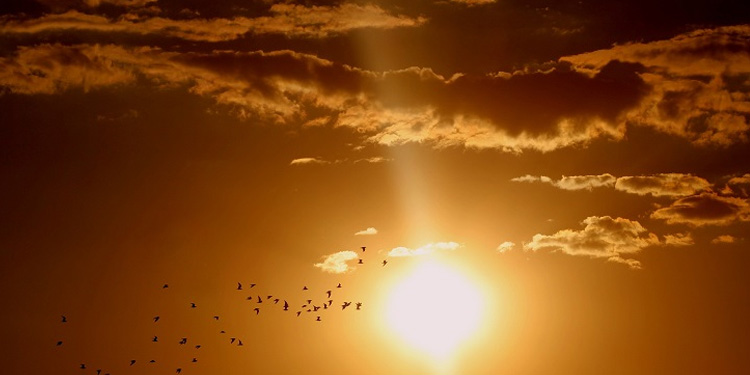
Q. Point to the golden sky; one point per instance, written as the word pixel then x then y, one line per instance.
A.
pixel 542 187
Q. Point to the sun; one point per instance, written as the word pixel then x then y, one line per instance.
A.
pixel 435 308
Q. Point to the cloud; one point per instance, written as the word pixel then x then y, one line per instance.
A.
pixel 287 19
pixel 698 83
pixel 505 247
pixel 739 185
pixel 423 250
pixel 367 232
pixel 474 2
pixel 337 262
pixel 679 239
pixel 724 238
pixel 307 161
pixel 663 184
pixel 706 208
pixel 614 239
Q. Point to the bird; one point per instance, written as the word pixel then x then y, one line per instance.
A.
pixel 192 305
pixel 155 339
pixel 152 361
pixel 268 297
pixel 286 306
pixel 303 306
pixel 345 305
pixel 83 366
pixel 276 300
pixel 257 310
pixel 330 302
pixel 299 312
pixel 359 305
pixel 252 285
pixel 132 362
pixel 216 317
pixel 194 360
pixel 231 340
pixel 304 287
pixel 316 308
pixel 363 249
pixel 309 301
pixel 328 292
pixel 249 298
pixel 384 262
pixel 183 341
pixel 165 286
pixel 239 342
pixel 338 286
pixel 360 261
pixel 325 306
pixel 179 370
pixel 98 371
pixel 260 300
pixel 64 319
pixel 222 331
pixel 156 318
pixel 317 320
pixel 197 346
pixel 239 286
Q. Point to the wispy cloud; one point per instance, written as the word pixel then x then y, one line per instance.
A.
pixel 662 184
pixel 337 262
pixel 505 247
pixel 614 239
pixel 307 161
pixel 703 209
pixel 423 250
pixel 724 238
pixel 367 232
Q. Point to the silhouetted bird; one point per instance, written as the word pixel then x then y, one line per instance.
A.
pixel 268 297
pixel 330 302
pixel 360 261
pixel 315 308
pixel 239 286
pixel 222 331
pixel 194 360
pixel 132 362
pixel 338 286
pixel 98 371
pixel 152 361
pixel 64 319
pixel 257 310
pixel 385 262
pixel 303 306
pixel 156 318
pixel 363 249
pixel 345 305
pixel 308 310
pixel 192 305
pixel 252 285
pixel 216 317
pixel 317 320
pixel 83 366
pixel 286 306
pixel 359 304
pixel 239 342
pixel 299 312
pixel 155 339
pixel 328 292
pixel 183 341
pixel 325 306
pixel 304 287
pixel 197 346
pixel 309 301
pixel 165 286
pixel 275 300
pixel 250 298
pixel 179 370
pixel 231 340
pixel 260 300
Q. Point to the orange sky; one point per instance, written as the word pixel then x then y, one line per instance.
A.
pixel 582 165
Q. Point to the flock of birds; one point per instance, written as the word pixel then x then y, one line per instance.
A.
pixel 310 306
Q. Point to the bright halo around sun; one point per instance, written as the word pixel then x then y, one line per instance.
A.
pixel 434 309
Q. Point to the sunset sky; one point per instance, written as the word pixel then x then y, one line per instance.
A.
pixel 542 187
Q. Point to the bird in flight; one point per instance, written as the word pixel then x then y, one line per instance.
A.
pixel 231 340
pixel 260 300
pixel 197 346
pixel 384 262
pixel 345 305
pixel 64 319
pixel 216 317
pixel 192 305
pixel 315 308
pixel 317 320
pixel 152 361
pixel 286 306
pixel 360 261
pixel 183 341
pixel 328 292
pixel 257 310
pixel 363 249
pixel 179 370
pixel 239 286
pixel 252 285
pixel 304 287
pixel 299 312
pixel 83 366
pixel 132 362
pixel 194 360
pixel 338 286
pixel 359 305
pixel 59 343
pixel 165 286
pixel 239 342
pixel 156 318
pixel 155 339
pixel 275 300
pixel 98 371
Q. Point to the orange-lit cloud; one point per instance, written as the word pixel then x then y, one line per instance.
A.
pixel 706 208
pixel 337 262
pixel 505 247
pixel 615 239
pixel 724 238
pixel 679 239
pixel 423 250
pixel 698 80
pixel 739 185
pixel 661 184
pixel 303 161
pixel 367 232
pixel 287 19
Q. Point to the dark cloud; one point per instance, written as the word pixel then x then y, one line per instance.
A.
pixel 704 209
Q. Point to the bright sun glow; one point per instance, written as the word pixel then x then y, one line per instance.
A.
pixel 434 309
